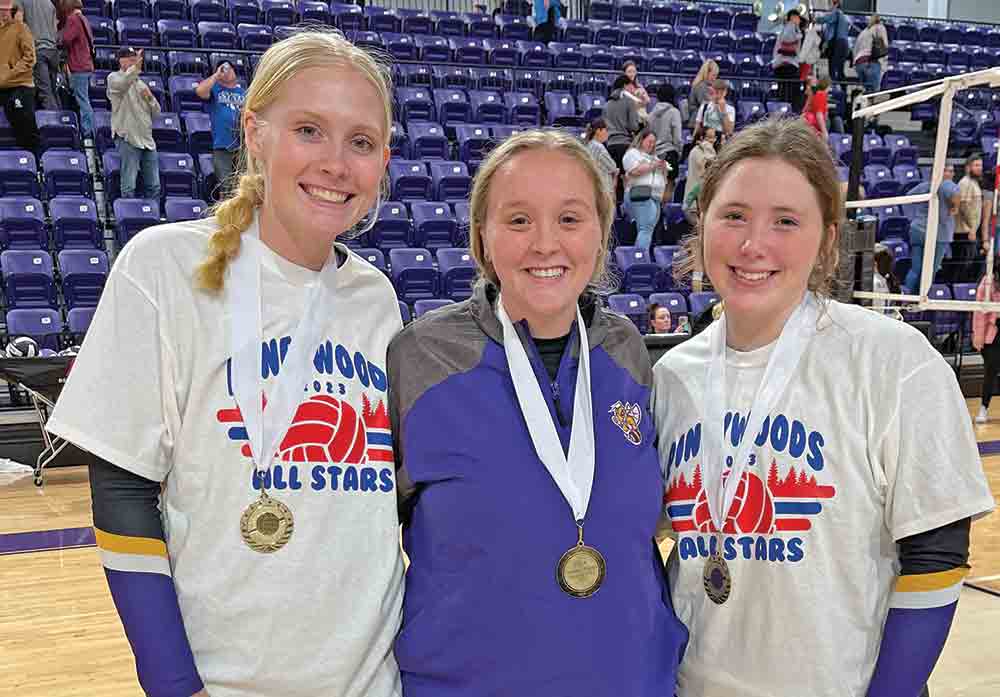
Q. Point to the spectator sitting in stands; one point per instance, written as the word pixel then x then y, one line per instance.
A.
pixel 225 98
pixel 133 107
pixel 948 201
pixel 40 16
pixel 702 83
pixel 78 40
pixel 785 60
pixel 17 84
pixel 970 207
pixel 659 319
pixel 817 106
pixel 716 113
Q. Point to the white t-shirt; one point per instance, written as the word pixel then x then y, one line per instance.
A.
pixel 655 180
pixel 149 393
pixel 869 443
pixel 709 116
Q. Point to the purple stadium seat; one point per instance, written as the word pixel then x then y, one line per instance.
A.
pixel 255 37
pixel 78 322
pixel 458 272
pixel 382 20
pixel 598 57
pixel 428 141
pixel 415 103
pixel 414 76
pixel 422 307
pixel 566 55
pixel 630 305
pixel 434 224
pixel 400 46
pixel 451 180
pixel 718 18
pixel 750 111
pixel 392 229
pixel 639 271
pixel 469 50
pixel 452 106
pixel 492 78
pixel 44 325
pixel 413 274
pixel 591 106
pixel 479 25
pixel 198 126
pixel 313 11
pixel 182 93
pixel 410 181
pixel 177 175
pixel 136 31
pixel 575 31
pixel 373 256
pixel 243 12
pixel 415 21
pixel 58 129
pixel 699 302
pixel 523 107
pixel 514 27
pixel 28 278
pixel 451 77
pixel 207 169
pixel 278 13
pixel 487 106
pixel 74 223
pixel 208 11
pixel 103 29
pixel 473 143
pixel 502 52
pixel 433 49
pixel 560 109
pixel 177 33
pixel 22 223
pixel 534 54
pixel 132 215
pixel 674 302
pixel 167 132
pixel 84 273
pixel 220 35
pixel 779 109
pixel 400 141
pixel 66 173
pixel 178 209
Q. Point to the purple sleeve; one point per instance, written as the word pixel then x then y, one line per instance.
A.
pixel 911 643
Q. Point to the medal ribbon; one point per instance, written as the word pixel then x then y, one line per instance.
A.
pixel 784 359
pixel 246 338
pixel 574 475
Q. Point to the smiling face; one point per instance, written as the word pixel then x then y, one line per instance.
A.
pixel 631 71
pixel 542 233
pixel 323 155
pixel 760 245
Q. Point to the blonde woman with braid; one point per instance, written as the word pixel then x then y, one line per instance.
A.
pixel 233 387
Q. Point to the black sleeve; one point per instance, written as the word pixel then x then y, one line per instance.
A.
pixel 941 549
pixel 124 503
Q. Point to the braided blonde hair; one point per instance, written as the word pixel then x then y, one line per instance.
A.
pixel 284 60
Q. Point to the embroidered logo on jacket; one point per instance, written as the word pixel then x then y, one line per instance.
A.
pixel 627 417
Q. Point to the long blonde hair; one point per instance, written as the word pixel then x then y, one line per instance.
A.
pixel 552 141
pixel 280 63
pixel 703 72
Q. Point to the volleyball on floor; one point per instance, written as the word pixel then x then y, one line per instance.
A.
pixel 752 510
pixel 22 347
pixel 325 429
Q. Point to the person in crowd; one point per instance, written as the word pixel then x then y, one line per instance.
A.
pixel 699 158
pixel 716 113
pixel 576 588
pixel 809 52
pixel 659 319
pixel 816 110
pixel 645 185
pixel 665 122
pixel 631 71
pixel 547 14
pixel 17 84
pixel 871 49
pixel 700 89
pixel 984 334
pixel 791 396
pixel 970 206
pixel 836 33
pixel 40 16
pixel 596 136
pixel 785 60
pixel 78 40
pixel 949 200
pixel 133 107
pixel 202 498
pixel 225 97
pixel 883 277
pixel 621 113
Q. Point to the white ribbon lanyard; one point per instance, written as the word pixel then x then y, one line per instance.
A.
pixel 574 475
pixel 781 365
pixel 246 337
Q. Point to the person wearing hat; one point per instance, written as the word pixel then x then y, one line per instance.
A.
pixel 17 85
pixel 225 102
pixel 133 107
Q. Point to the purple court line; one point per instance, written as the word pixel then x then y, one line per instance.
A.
pixel 989 447
pixel 46 540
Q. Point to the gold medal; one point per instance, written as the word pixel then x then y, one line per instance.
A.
pixel 581 570
pixel 716 578
pixel 266 524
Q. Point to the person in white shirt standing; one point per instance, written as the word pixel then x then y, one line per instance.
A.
pixel 252 551
pixel 820 466
pixel 716 113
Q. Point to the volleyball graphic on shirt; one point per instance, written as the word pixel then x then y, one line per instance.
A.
pixel 752 509
pixel 324 429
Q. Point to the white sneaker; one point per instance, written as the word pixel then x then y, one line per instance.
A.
pixel 981 417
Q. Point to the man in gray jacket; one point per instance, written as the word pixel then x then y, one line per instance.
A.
pixel 40 16
pixel 621 113
pixel 133 107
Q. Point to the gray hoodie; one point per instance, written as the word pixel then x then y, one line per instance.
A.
pixel 622 118
pixel 666 124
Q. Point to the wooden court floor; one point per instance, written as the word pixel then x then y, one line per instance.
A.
pixel 60 635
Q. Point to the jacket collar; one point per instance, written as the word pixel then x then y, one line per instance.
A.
pixel 483 302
